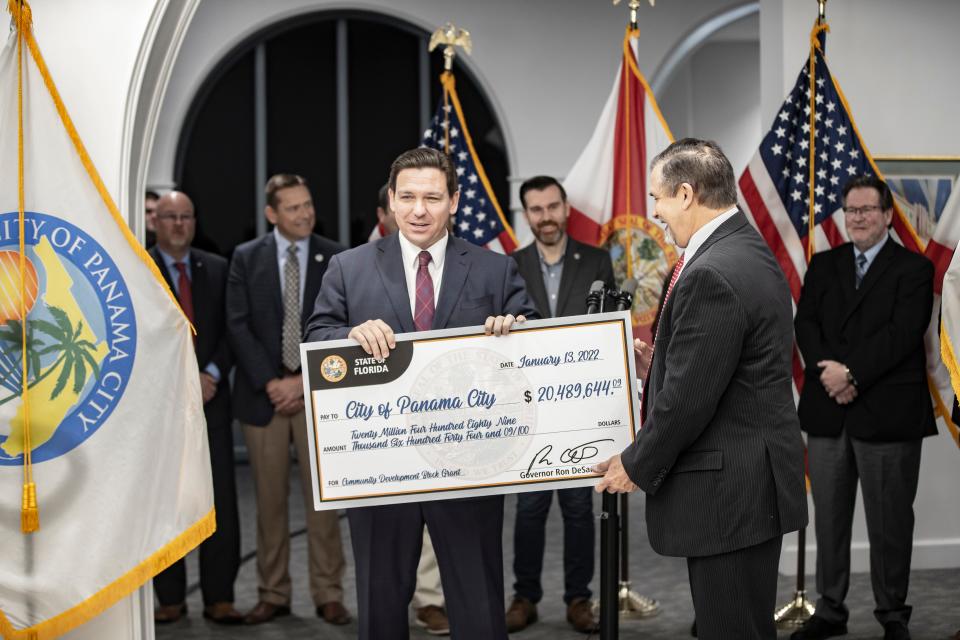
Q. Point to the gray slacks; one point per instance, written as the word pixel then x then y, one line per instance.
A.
pixel 888 473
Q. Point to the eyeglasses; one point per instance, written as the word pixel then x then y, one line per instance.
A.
pixel 175 218
pixel 862 211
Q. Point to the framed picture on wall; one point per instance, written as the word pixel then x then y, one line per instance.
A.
pixel 921 186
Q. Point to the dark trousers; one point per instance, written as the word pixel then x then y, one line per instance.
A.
pixel 468 539
pixel 888 473
pixel 220 553
pixel 529 540
pixel 735 593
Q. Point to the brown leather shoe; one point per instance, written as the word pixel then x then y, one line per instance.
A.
pixel 333 613
pixel 222 613
pixel 521 614
pixel 580 616
pixel 169 613
pixel 265 612
pixel 434 620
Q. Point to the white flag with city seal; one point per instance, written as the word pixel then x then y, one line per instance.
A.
pixel 114 418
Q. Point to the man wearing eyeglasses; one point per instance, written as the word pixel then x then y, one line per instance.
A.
pixel 865 405
pixel 199 279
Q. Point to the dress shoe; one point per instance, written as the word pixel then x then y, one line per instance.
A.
pixel 521 614
pixel 169 613
pixel 434 620
pixel 816 628
pixel 265 612
pixel 333 612
pixel 222 613
pixel 580 616
pixel 894 630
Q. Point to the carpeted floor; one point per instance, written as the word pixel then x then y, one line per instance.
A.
pixel 933 594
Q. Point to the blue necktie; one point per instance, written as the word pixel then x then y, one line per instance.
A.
pixel 861 268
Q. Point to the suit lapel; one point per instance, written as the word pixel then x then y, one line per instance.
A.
pixel 528 264
pixel 571 265
pixel 392 274
pixel 316 266
pixel 880 264
pixel 455 270
pixel 155 254
pixel 270 275
pixel 200 289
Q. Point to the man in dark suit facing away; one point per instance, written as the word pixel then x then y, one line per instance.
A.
pixel 199 281
pixel 273 282
pixel 419 279
pixel 719 453
pixel 558 272
pixel 865 404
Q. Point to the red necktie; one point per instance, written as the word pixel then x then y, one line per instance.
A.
pixel 186 293
pixel 423 307
pixel 646 377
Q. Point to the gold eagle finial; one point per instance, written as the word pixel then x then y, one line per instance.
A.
pixel 634 5
pixel 452 37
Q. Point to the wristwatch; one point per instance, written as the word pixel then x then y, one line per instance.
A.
pixel 850 377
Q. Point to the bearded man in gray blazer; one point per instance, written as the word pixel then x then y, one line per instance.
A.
pixel 719 453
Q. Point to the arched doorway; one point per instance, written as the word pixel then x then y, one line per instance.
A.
pixel 333 96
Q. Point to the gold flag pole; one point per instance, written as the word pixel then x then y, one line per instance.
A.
pixel 450 37
pixel 799 609
pixel 630 604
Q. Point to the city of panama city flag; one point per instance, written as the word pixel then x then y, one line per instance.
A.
pixel 112 418
pixel 942 250
pixel 479 218
pixel 607 188
pixel 792 189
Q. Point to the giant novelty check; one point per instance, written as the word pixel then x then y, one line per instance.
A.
pixel 455 413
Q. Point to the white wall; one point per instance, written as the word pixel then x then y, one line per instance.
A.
pixel 548 66
pixel 91 48
pixel 896 62
pixel 716 95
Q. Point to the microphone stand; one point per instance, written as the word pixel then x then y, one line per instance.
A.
pixel 630 603
pixel 609 555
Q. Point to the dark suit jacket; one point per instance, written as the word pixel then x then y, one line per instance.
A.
pixel 582 265
pixel 877 332
pixel 255 318
pixel 208 285
pixel 720 454
pixel 368 282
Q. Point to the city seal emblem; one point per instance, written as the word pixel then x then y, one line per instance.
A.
pixel 81 336
pixel 333 368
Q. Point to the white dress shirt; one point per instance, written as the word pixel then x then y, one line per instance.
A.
pixel 411 264
pixel 701 235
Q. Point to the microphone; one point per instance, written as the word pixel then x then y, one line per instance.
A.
pixel 596 296
pixel 624 297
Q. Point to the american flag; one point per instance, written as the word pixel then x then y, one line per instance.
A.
pixel 775 188
pixel 479 218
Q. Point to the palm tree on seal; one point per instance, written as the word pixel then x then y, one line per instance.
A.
pixel 75 359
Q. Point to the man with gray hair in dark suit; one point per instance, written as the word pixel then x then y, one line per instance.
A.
pixel 719 453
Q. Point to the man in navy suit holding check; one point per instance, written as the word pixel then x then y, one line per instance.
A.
pixel 419 279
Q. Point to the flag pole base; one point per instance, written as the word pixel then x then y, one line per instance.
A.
pixel 794 613
pixel 631 605
pixel 635 606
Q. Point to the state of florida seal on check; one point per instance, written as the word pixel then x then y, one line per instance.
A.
pixel 455 413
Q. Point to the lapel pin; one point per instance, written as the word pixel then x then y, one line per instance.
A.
pixel 576 256
pixel 318 257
